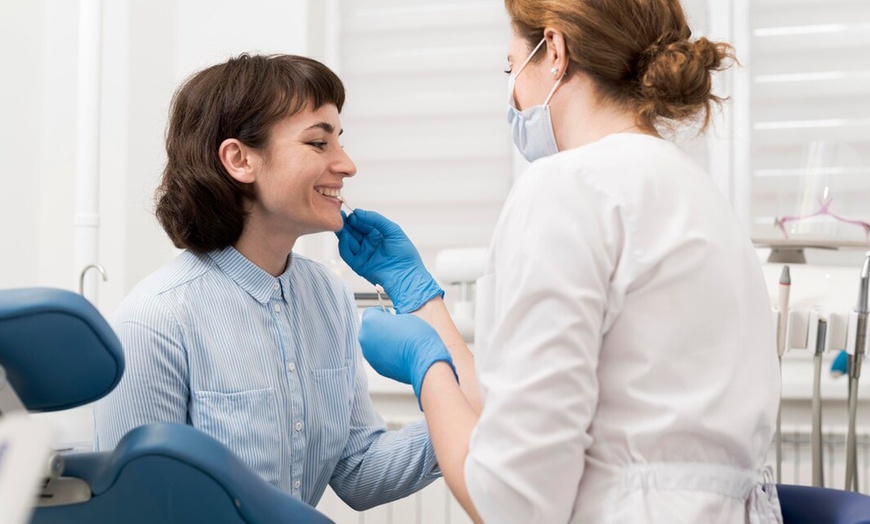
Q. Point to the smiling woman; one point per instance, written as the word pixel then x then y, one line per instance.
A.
pixel 237 336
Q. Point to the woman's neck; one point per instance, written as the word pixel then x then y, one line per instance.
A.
pixel 267 251
pixel 580 116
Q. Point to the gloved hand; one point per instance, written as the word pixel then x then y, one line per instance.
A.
pixel 401 347
pixel 379 251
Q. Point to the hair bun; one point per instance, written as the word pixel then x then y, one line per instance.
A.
pixel 675 78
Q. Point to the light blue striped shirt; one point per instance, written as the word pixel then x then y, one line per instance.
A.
pixel 270 367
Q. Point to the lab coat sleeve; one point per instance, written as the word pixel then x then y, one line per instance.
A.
pixel 154 387
pixel 555 249
pixel 379 466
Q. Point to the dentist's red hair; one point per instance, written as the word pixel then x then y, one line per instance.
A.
pixel 639 53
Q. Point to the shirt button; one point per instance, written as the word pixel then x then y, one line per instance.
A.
pixel 277 308
pixel 276 286
pixel 298 426
pixel 292 367
pixel 297 484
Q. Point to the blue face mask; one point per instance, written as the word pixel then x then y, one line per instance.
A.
pixel 531 128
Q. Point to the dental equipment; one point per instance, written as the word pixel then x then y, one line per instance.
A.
pixel 344 202
pixel 840 366
pixel 821 327
pixel 781 345
pixel 379 290
pixel 856 347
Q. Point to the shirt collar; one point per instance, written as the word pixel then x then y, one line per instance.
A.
pixel 249 276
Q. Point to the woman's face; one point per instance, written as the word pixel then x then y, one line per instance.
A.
pixel 301 175
pixel 534 81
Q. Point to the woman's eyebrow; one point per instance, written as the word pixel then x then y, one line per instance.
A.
pixel 326 126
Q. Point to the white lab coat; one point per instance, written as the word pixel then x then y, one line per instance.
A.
pixel 625 348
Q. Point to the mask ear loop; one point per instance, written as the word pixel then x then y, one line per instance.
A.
pixel 535 50
pixel 553 91
pixel 520 70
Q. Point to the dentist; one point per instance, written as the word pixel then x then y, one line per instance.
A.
pixel 624 343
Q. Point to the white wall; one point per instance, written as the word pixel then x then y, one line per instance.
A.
pixel 21 83
pixel 149 47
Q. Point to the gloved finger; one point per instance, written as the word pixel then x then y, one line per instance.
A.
pixel 377 220
pixel 349 228
pixel 347 242
pixel 356 233
pixel 373 326
pixel 367 249
pixel 358 223
pixel 369 241
pixel 375 315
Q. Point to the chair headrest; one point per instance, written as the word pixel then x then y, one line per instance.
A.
pixel 57 349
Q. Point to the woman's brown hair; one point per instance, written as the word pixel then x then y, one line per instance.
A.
pixel 200 206
pixel 639 53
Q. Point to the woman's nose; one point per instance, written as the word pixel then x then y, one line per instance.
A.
pixel 345 165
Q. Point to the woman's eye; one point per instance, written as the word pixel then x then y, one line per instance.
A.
pixel 318 145
pixel 508 71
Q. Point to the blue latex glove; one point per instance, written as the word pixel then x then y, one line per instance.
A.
pixel 379 251
pixel 401 347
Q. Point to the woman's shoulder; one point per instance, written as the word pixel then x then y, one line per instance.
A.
pixel 623 167
pixel 146 300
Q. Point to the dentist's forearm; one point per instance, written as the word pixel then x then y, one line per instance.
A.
pixel 451 420
pixel 436 315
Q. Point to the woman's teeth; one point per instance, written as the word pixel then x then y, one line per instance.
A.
pixel 334 193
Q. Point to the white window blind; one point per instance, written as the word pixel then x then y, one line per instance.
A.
pixel 425 116
pixel 810 114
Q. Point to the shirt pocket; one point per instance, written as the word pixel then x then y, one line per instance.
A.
pixel 330 413
pixel 247 423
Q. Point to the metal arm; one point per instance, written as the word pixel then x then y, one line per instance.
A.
pixel 861 312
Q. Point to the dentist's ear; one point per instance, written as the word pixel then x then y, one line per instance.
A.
pixel 557 52
pixel 239 160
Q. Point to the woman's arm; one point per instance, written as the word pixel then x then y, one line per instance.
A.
pixel 407 349
pixel 451 419
pixel 155 385
pixel 435 314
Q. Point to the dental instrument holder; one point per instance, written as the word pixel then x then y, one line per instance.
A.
pixel 781 346
pixel 818 332
pixel 856 346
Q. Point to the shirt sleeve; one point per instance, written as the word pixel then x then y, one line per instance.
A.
pixel 556 247
pixel 380 466
pixel 154 387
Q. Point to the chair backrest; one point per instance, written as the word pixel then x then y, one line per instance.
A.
pixel 810 505
pixel 174 474
pixel 57 350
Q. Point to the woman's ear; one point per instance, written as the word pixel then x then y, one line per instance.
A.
pixel 557 53
pixel 239 160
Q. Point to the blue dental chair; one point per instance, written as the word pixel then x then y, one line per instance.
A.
pixel 58 352
pixel 809 505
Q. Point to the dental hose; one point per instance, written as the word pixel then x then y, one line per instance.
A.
pixel 861 313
